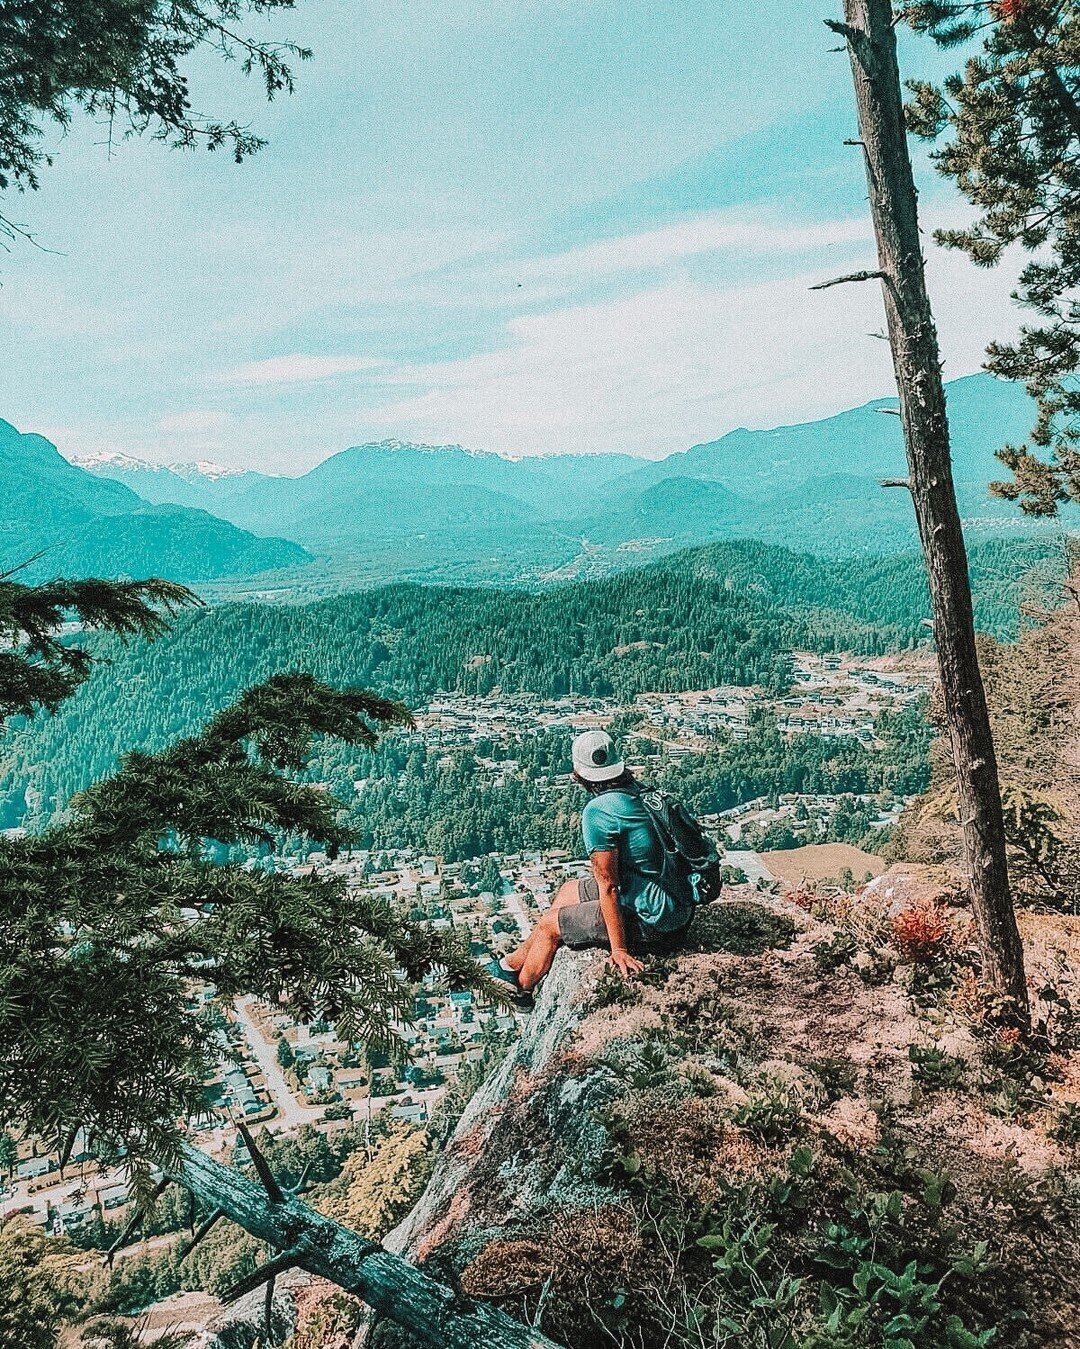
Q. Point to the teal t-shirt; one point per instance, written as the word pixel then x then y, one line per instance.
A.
pixel 618 820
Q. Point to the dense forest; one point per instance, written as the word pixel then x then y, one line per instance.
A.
pixel 417 796
pixel 729 613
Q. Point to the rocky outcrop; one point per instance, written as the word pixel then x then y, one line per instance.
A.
pixel 668 1163
pixel 533 1173
pixel 242 1324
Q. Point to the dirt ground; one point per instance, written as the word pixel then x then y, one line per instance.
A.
pixel 820 861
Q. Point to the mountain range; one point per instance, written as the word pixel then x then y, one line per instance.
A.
pixel 395 509
pixel 59 519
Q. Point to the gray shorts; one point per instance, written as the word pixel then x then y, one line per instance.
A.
pixel 582 925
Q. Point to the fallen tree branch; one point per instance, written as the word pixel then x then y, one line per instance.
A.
pixel 396 1289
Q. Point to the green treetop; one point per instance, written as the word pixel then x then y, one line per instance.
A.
pixel 1009 125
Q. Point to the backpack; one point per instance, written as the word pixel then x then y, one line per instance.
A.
pixel 692 861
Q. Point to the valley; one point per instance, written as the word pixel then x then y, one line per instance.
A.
pixel 729 614
pixel 394 510
pixel 783 695
pixel 848 777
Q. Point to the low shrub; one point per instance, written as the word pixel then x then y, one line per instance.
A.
pixel 919 934
pixel 934 1069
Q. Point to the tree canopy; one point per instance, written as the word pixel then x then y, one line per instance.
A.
pixel 124 62
pixel 1008 122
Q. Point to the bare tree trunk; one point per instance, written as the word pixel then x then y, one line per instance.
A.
pixel 871 40
pixel 307 1240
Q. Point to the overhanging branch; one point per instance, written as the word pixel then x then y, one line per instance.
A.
pixel 396 1289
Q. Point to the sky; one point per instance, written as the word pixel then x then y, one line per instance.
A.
pixel 527 226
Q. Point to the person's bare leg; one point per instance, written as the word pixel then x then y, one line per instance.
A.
pixel 542 947
pixel 519 954
pixel 517 959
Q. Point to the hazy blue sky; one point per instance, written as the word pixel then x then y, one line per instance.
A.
pixel 520 225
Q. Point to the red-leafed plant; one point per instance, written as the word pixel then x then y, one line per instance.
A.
pixel 919 934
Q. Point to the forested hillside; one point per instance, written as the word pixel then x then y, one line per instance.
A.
pixel 59 519
pixel 727 614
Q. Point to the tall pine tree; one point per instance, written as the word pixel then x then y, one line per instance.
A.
pixel 869 32
pixel 112 919
pixel 1008 123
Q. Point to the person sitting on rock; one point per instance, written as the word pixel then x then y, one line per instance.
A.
pixel 622 906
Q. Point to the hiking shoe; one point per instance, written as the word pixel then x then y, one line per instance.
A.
pixel 518 996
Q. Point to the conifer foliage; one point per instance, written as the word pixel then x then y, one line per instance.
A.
pixel 37 667
pixel 123 62
pixel 111 919
pixel 1010 119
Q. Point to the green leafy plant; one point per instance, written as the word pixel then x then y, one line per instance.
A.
pixel 613 990
pixel 1067 1125
pixel 837 951
pixel 934 1069
pixel 769 1116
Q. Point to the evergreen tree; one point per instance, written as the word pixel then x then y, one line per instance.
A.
pixel 869 32
pixel 111 919
pixel 9 1153
pixel 1010 117
pixel 123 62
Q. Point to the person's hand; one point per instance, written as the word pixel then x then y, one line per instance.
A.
pixel 625 963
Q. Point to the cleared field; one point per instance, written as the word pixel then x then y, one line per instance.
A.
pixel 821 861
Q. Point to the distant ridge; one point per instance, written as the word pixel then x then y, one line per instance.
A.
pixel 398 508
pixel 84 524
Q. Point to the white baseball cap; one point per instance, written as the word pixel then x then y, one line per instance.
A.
pixel 595 758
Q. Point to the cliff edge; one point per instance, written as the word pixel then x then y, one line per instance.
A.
pixel 796 1133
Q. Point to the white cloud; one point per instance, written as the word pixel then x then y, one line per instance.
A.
pixel 297 369
pixel 684 361
pixel 714 232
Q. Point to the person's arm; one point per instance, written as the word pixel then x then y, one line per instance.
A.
pixel 605 867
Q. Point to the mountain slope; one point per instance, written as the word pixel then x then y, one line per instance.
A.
pixel 198 484
pixel 83 524
pixel 447 512
pixel 682 509
pixel 865 442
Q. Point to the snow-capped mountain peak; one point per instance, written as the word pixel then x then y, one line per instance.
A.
pixel 192 471
pixel 114 457
pixel 204 468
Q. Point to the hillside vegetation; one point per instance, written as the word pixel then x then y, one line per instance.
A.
pixel 727 614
